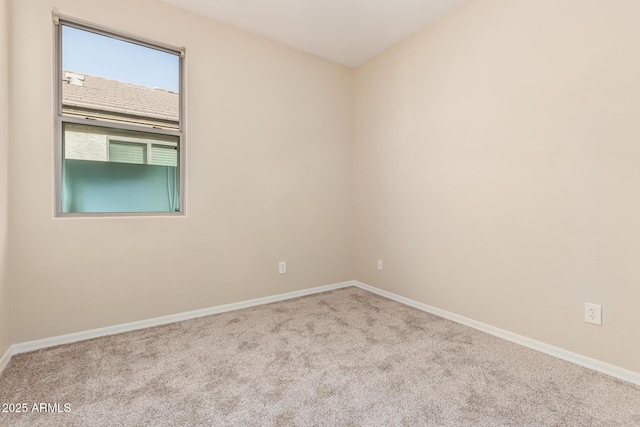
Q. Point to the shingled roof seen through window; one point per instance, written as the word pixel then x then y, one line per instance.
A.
pixel 82 92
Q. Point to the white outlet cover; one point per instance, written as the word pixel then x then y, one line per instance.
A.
pixel 282 267
pixel 380 264
pixel 593 313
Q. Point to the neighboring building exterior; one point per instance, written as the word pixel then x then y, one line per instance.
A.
pixel 110 100
pixel 116 170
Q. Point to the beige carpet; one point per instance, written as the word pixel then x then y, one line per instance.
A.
pixel 346 357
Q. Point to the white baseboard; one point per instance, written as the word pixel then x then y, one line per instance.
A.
pixel 578 359
pixel 6 357
pixel 596 365
pixel 126 327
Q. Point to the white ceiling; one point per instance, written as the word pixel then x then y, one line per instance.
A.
pixel 345 31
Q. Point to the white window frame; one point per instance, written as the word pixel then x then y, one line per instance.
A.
pixel 60 118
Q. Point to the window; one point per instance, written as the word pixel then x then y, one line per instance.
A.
pixel 119 124
pixel 142 152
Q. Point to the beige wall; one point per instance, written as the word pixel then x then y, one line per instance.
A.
pixel 5 296
pixel 258 114
pixel 497 170
pixel 495 158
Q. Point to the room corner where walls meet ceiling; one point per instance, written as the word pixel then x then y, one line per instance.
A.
pixel 348 32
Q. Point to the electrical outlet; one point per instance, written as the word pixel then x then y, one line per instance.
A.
pixel 593 313
pixel 282 267
pixel 380 264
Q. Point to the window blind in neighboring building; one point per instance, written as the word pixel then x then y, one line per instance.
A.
pixel 127 152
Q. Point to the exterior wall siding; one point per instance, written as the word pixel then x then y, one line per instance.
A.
pixel 83 142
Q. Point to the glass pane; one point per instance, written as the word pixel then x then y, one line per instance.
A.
pixel 107 170
pixel 109 79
